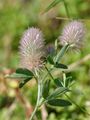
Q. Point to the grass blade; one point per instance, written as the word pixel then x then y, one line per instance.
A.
pixel 54 3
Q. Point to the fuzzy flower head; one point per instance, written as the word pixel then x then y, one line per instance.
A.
pixel 31 49
pixel 73 34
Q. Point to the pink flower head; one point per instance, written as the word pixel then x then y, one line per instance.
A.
pixel 31 49
pixel 73 34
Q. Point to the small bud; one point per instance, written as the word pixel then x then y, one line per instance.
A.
pixel 31 49
pixel 73 34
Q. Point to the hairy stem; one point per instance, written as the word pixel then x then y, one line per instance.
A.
pixel 38 99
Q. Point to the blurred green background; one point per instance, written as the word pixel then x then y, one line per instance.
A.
pixel 17 16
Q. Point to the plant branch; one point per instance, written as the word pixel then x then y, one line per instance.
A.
pixel 57 58
pixel 83 110
pixel 49 72
pixel 38 98
pixel 69 19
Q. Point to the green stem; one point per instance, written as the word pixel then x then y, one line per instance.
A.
pixel 67 95
pixel 49 72
pixel 83 110
pixel 38 98
pixel 66 8
pixel 57 58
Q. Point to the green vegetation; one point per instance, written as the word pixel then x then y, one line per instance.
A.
pixel 15 17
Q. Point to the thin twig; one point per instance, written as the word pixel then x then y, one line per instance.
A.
pixel 66 18
pixel 38 99
pixel 49 72
pixel 82 109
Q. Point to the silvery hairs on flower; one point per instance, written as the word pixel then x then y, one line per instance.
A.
pixel 32 49
pixel 73 34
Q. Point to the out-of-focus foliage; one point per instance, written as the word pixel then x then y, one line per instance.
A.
pixel 15 17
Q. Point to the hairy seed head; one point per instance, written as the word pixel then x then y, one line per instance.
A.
pixel 73 34
pixel 31 49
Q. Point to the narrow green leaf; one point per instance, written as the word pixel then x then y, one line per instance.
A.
pixel 58 82
pixel 45 91
pixel 54 3
pixel 17 76
pixel 50 60
pixel 24 71
pixel 61 53
pixel 59 65
pixel 59 102
pixel 23 82
pixel 57 92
